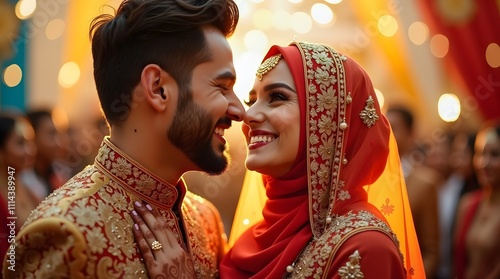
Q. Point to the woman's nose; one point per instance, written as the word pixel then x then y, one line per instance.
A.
pixel 253 115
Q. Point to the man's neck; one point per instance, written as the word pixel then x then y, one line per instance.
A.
pixel 159 159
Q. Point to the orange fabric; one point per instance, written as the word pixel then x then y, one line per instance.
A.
pixel 389 195
pixel 336 173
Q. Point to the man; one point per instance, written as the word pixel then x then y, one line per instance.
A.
pixel 421 183
pixel 164 74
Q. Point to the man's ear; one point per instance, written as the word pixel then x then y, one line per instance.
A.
pixel 154 83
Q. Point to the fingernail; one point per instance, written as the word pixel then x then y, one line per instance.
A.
pixel 149 207
pixel 138 204
pixel 134 212
pixel 136 227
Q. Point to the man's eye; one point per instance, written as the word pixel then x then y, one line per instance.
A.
pixel 223 87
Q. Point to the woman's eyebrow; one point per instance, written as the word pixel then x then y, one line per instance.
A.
pixel 278 85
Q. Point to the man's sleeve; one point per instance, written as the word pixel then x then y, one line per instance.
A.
pixel 47 248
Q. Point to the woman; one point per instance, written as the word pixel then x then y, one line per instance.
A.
pixel 317 136
pixel 16 200
pixel 478 222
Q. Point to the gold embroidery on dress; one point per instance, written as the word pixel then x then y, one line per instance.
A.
pixel 268 65
pixel 352 268
pixel 327 121
pixel 369 114
pixel 321 252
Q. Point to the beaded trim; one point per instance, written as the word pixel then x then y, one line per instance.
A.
pixel 268 65
pixel 327 104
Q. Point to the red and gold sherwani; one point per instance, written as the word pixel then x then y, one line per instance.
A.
pixel 84 230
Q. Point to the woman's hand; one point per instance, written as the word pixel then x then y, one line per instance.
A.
pixel 163 256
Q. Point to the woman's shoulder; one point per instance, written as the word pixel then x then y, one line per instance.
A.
pixel 357 240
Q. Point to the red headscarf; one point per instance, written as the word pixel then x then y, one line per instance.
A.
pixel 345 143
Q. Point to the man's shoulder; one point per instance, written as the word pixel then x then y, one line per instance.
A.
pixel 83 186
pixel 425 177
pixel 81 227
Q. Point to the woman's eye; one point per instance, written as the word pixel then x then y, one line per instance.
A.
pixel 249 103
pixel 277 96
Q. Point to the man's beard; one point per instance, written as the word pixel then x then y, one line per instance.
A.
pixel 192 132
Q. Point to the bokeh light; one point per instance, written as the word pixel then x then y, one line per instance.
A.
pixel 256 40
pixel 418 32
pixel 449 107
pixel 301 22
pixel 493 55
pixel 321 13
pixel 12 75
pixel 69 74
pixel 387 25
pixel 25 8
pixel 439 45
pixel 55 28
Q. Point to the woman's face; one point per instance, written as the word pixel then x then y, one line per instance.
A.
pixel 487 158
pixel 272 123
pixel 16 147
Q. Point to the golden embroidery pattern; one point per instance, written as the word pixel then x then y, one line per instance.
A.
pixel 321 251
pixel 369 114
pixel 327 105
pixel 84 228
pixel 352 268
pixel 268 65
pixel 201 237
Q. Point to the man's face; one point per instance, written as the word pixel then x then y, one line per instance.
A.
pixel 199 125
pixel 402 133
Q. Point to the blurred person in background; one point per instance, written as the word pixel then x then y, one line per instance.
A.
pixel 421 183
pixel 48 172
pixel 15 132
pixel 477 238
pixel 461 180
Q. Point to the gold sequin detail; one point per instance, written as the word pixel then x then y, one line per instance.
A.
pixel 352 269
pixel 268 65
pixel 369 114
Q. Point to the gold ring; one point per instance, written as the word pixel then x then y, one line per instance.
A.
pixel 156 245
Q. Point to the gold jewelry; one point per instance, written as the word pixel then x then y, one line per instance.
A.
pixel 369 114
pixel 156 245
pixel 268 65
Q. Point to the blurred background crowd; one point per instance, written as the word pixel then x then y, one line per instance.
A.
pixel 435 65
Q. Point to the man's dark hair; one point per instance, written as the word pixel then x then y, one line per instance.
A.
pixel 163 32
pixel 406 115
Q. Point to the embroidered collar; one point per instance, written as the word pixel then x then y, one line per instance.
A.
pixel 137 179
